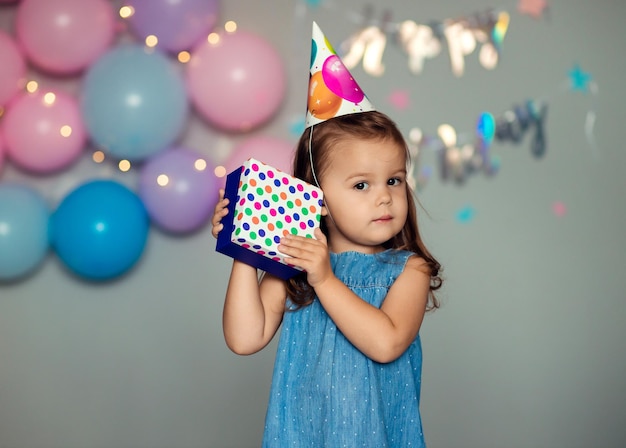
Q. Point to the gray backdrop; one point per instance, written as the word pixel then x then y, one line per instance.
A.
pixel 528 348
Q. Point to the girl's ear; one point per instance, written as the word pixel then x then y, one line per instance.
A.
pixel 324 209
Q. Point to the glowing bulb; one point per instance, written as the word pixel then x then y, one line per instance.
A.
pixel 126 11
pixel 98 157
pixel 49 98
pixel 66 130
pixel 32 86
pixel 184 57
pixel 200 165
pixel 219 171
pixel 447 134
pixel 213 38
pixel 230 26
pixel 151 41
pixel 163 180
pixel 124 165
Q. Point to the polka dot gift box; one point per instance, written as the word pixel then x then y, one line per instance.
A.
pixel 266 204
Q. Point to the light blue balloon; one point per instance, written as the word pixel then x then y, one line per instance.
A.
pixel 134 102
pixel 24 219
pixel 99 230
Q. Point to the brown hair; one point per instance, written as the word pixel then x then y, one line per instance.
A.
pixel 363 126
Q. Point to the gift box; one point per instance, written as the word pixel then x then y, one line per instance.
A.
pixel 266 204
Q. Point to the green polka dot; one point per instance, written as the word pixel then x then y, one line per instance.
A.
pixel 253 235
pixel 305 211
pixel 294 230
pixel 275 197
pixel 289 204
pixel 279 224
pixel 244 187
pixel 268 241
pixel 264 218
pixel 259 191
pixel 248 211
pixel 237 231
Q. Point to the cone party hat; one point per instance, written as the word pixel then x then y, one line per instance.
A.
pixel 333 92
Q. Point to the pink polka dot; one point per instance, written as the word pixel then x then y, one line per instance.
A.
pixel 254 167
pixel 287 218
pixel 272 212
pixel 300 187
pixel 257 205
pixel 303 226
pixel 314 193
pixel 285 181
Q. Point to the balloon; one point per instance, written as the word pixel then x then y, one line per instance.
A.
pixel 1 152
pixel 13 68
pixel 23 230
pixel 64 36
pixel 179 190
pixel 134 102
pixel 237 83
pixel 43 131
pixel 322 103
pixel 273 151
pixel 99 230
pixel 340 81
pixel 178 25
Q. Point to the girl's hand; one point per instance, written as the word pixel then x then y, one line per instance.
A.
pixel 310 254
pixel 220 211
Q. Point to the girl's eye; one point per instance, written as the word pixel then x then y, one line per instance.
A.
pixel 361 186
pixel 394 181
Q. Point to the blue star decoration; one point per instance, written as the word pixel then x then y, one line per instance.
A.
pixel 579 80
pixel 465 214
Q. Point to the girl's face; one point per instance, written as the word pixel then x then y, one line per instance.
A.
pixel 364 186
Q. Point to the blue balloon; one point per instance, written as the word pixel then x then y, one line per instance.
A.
pixel 134 102
pixel 99 230
pixel 24 219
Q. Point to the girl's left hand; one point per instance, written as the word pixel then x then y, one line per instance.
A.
pixel 310 254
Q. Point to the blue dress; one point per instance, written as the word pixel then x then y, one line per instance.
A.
pixel 325 392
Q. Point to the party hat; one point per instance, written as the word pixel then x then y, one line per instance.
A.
pixel 332 89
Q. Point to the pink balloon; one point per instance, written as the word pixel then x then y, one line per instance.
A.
pixel 13 68
pixel 273 151
pixel 237 83
pixel 43 133
pixel 1 153
pixel 339 80
pixel 64 36
pixel 179 190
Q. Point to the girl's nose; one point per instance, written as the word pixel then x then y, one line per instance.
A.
pixel 384 198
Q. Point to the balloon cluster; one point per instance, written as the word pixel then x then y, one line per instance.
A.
pixel 135 99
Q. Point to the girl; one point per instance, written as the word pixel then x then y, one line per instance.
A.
pixel 348 367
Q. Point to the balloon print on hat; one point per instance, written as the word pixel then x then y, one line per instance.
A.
pixel 134 102
pixel 64 36
pixel 236 82
pixel 178 25
pixel 43 131
pixel 99 230
pixel 23 231
pixel 13 68
pixel 179 189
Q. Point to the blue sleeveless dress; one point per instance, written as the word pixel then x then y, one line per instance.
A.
pixel 325 392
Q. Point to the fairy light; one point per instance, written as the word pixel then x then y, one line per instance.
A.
pixel 447 134
pixel 98 156
pixel 162 180
pixel 184 57
pixel 126 11
pixel 32 86
pixel 200 164
pixel 49 98
pixel 219 171
pixel 66 130
pixel 213 38
pixel 124 165
pixel 151 41
pixel 230 26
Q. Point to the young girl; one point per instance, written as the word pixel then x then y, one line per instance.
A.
pixel 348 366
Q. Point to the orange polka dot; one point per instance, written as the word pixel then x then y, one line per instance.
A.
pixel 270 226
pixel 283 195
pixel 239 216
pixel 285 232
pixel 252 182
pixel 268 189
pixel 298 202
pixel 313 209
pixel 255 220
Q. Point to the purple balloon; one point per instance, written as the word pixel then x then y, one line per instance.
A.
pixel 178 25
pixel 339 80
pixel 179 189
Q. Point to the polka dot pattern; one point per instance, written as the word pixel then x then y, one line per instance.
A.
pixel 271 204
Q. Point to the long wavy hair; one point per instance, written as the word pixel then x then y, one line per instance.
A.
pixel 362 126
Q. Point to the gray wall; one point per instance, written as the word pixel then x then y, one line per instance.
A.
pixel 528 348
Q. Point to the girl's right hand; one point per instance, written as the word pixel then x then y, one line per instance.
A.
pixel 221 210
